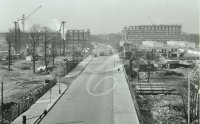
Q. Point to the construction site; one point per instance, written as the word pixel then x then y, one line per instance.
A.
pixel 164 76
pixel 29 59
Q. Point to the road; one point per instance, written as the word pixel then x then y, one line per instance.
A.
pixel 89 99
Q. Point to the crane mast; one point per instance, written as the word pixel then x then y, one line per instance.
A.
pixel 24 18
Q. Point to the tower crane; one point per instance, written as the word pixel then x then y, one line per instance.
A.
pixel 24 18
pixel 150 20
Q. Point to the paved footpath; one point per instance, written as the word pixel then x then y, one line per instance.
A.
pixel 76 71
pixel 45 103
pixel 123 105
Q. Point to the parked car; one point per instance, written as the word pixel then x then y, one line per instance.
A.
pixel 102 54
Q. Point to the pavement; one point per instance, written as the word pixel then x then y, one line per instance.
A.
pixel 49 99
pixel 124 110
pixel 76 71
pixel 85 101
pixel 99 95
pixel 44 103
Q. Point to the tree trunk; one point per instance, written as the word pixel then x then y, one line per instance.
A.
pixel 9 55
pixel 33 55
pixel 33 63
pixel 53 52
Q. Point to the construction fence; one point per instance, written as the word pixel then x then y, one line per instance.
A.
pixel 14 109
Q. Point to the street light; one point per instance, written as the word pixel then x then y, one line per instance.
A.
pixel 2 102
pixel 189 99
pixel 114 60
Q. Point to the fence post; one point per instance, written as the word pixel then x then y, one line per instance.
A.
pixel 24 119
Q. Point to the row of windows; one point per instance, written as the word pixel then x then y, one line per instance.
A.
pixel 153 39
pixel 172 35
pixel 133 32
pixel 154 27
pixel 150 36
pixel 169 33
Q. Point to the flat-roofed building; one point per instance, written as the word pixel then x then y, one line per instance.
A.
pixel 181 44
pixel 78 37
pixel 163 33
pixel 153 44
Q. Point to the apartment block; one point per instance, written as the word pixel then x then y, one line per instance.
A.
pixel 80 37
pixel 163 33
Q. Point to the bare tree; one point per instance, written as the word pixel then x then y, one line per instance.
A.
pixel 10 40
pixel 34 41
pixel 194 102
pixel 50 41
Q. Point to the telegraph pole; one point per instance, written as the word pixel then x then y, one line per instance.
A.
pixel 19 39
pixel 188 99
pixel 83 38
pixel 78 38
pixel 45 50
pixel 73 40
pixel 63 24
pixel 88 36
pixel 16 45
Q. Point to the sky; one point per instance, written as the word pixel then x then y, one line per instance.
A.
pixel 101 16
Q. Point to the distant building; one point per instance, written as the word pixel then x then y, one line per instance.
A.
pixel 78 37
pixel 181 44
pixel 163 33
pixel 121 43
pixel 153 44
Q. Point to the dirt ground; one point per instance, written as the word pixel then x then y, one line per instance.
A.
pixel 18 81
pixel 155 108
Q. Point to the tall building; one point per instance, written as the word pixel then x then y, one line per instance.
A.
pixel 163 33
pixel 78 37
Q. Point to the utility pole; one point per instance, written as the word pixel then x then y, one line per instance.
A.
pixel 188 99
pixel 16 44
pixel 19 39
pixel 53 50
pixel 63 24
pixel 78 38
pixel 2 102
pixel 9 52
pixel 45 50
pixel 67 39
pixel 73 41
pixel 83 38
pixel 88 36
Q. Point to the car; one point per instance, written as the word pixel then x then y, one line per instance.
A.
pixel 102 54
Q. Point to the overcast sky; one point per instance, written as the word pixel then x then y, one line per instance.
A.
pixel 101 16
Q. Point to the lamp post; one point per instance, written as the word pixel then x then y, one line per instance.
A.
pixel 188 99
pixel 2 102
pixel 50 92
pixel 59 85
pixel 114 60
